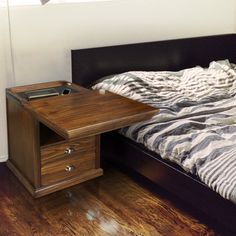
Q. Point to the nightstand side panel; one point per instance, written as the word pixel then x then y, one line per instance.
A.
pixel 23 142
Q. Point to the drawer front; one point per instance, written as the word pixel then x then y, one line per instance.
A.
pixel 61 169
pixel 66 149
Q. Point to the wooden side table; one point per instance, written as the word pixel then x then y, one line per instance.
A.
pixel 54 141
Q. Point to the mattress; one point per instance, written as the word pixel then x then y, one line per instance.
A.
pixel 196 125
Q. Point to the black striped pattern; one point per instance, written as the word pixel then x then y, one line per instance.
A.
pixel 196 126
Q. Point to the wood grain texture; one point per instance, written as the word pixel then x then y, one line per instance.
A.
pixel 30 87
pixel 41 159
pixel 21 177
pixel 88 113
pixel 15 91
pixel 111 205
pixel 55 170
pixel 98 151
pixel 58 150
pixel 23 139
pixel 66 183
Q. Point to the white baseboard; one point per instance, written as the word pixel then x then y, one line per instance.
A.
pixel 3 158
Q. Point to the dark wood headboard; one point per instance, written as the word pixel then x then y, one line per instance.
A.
pixel 91 64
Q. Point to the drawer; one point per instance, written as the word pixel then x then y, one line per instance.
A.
pixel 62 168
pixel 66 149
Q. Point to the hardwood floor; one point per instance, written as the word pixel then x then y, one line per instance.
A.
pixel 114 204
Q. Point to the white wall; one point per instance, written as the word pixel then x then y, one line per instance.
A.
pixel 43 36
pixel 5 79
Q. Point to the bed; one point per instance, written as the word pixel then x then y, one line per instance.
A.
pixel 90 65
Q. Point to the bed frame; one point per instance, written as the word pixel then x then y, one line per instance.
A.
pixel 88 65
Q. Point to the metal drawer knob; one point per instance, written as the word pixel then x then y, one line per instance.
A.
pixel 69 168
pixel 69 150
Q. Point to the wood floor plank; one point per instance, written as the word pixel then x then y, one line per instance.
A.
pixel 114 204
pixel 150 215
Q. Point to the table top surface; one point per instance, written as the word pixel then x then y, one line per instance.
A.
pixel 86 112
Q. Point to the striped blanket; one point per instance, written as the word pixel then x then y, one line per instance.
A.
pixel 196 126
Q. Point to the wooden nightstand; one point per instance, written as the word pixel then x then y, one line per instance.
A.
pixel 54 141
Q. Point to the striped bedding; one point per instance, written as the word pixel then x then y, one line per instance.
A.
pixel 196 125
